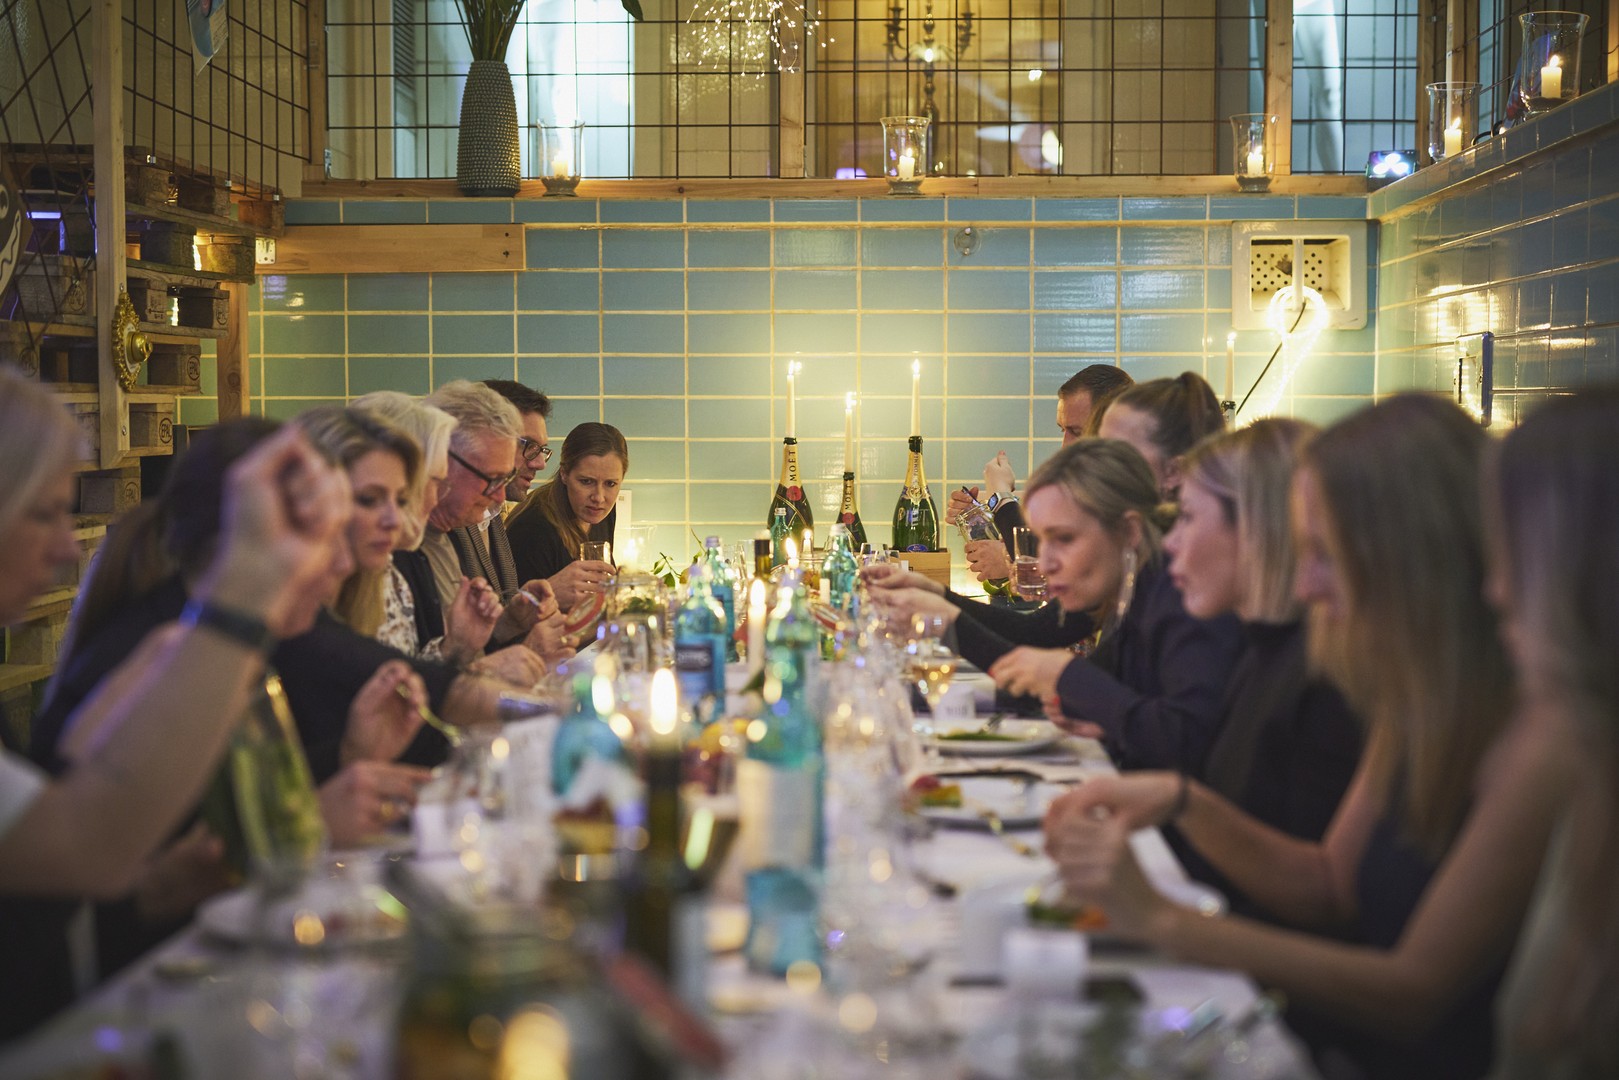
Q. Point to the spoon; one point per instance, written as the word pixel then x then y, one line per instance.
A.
pixel 452 734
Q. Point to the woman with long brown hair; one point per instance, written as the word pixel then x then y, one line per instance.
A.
pixel 577 504
pixel 1429 862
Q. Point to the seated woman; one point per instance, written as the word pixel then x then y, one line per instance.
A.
pixel 1163 419
pixel 1288 743
pixel 90 831
pixel 575 505
pixel 1430 860
pixel 1152 684
pixel 1555 499
pixel 381 461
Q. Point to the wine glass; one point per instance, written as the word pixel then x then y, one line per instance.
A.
pixel 1028 581
pixel 931 663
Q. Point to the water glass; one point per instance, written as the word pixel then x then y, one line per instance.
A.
pixel 596 551
pixel 1030 583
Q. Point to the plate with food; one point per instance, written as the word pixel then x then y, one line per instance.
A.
pixel 982 738
pixel 1011 801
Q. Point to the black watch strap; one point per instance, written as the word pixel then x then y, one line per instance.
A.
pixel 239 626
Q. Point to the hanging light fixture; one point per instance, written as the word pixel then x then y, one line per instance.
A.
pixel 753 36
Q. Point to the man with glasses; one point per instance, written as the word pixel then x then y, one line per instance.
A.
pixel 484 548
pixel 484 463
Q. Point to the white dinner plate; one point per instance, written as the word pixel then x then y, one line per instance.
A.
pixel 1014 737
pixel 348 914
pixel 1020 803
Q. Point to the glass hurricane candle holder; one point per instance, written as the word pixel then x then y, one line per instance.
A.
pixel 905 153
pixel 1549 73
pixel 1250 137
pixel 1452 118
pixel 561 156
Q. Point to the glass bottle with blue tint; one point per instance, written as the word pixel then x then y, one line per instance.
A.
pixel 700 639
pixel 722 583
pixel 779 785
pixel 585 733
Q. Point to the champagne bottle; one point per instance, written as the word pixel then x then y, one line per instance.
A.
pixel 790 492
pixel 849 512
pixel 916 522
pixel 663 905
pixel 779 786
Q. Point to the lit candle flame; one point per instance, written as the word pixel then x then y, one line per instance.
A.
pixel 664 707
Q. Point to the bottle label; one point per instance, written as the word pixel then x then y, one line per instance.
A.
pixel 778 810
pixel 917 547
pixel 699 669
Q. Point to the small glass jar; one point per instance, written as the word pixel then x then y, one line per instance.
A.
pixel 1452 118
pixel 560 156
pixel 1550 67
pixel 1250 136
pixel 977 523
pixel 905 153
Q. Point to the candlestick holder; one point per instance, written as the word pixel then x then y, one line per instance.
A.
pixel 1250 136
pixel 905 153
pixel 1452 118
pixel 1550 68
pixel 560 156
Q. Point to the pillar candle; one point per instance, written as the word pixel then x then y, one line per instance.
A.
pixel 1551 78
pixel 1453 138
pixel 756 627
pixel 1256 162
pixel 1230 363
pixel 792 399
pixel 848 432
pixel 906 169
pixel 916 400
pixel 663 716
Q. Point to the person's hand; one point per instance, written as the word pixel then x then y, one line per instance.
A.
pixel 1051 705
pixel 471 618
pixel 515 665
pixel 1091 848
pixel 887 576
pixel 549 639
pixel 959 501
pixel 578 579
pixel 182 875
pixel 1139 800
pixel 998 474
pixel 367 797
pixel 282 507
pixel 987 559
pixel 899 606
pixel 533 602
pixel 385 715
pixel 1027 670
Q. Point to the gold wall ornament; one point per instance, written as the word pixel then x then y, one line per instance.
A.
pixel 129 346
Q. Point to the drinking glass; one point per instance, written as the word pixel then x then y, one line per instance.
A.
pixel 596 551
pixel 931 663
pixel 1030 583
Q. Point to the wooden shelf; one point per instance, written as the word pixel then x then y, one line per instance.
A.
pixel 55 602
pixel 201 222
pixel 175 275
pixel 13 676
pixel 162 333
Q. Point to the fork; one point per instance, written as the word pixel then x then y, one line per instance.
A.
pixel 452 734
pixel 993 724
pixel 993 821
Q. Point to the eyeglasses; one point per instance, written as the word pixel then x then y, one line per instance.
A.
pixel 492 484
pixel 533 451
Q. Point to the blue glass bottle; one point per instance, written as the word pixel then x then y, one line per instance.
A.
pixel 700 640
pixel 584 733
pixel 841 571
pixel 724 588
pixel 780 786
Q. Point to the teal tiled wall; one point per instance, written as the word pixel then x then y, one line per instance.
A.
pixel 675 319
pixel 1520 237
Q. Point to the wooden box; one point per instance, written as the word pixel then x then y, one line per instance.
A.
pixel 37 642
pixel 267 214
pixel 933 565
pixel 151 426
pixel 109 492
pixel 169 244
pixel 76 234
pixel 203 195
pixel 147 184
pixel 151 299
pixel 226 254
pixel 51 285
pixel 175 368
pixel 62 363
pixel 203 307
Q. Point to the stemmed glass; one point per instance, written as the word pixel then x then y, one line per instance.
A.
pixel 929 664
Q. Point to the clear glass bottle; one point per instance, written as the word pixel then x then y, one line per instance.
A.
pixel 700 638
pixel 722 582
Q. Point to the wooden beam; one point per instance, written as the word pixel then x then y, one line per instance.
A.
pixel 1279 81
pixel 1432 58
pixel 107 108
pixel 230 357
pixel 982 187
pixel 396 249
pixel 1613 41
pixel 1461 41
pixel 790 127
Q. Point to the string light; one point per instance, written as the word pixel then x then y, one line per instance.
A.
pixel 748 35
pixel 1297 314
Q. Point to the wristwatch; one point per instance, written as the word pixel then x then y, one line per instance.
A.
pixel 997 500
pixel 238 626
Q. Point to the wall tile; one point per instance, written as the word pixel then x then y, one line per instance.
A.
pixel 815 247
pixel 829 289
pixel 989 209
pixel 818 333
pixel 299 376
pixel 642 210
pixel 733 419
pixel 988 376
pixel 643 248
pixel 473 368
pixel 981 332
pixel 386 292
pixel 314 212
pixel 559 334
pixel 727 376
pixel 1251 208
pixel 1152 246
pixel 302 293
pixel 554 209
pixel 1147 289
pixel 1077 247
pixel 655 459
pixel 748 333
pixel 473 292
pixel 901 209
pixel 304 335
pixel 996 247
pixel 562 249
pixel 1161 333
pixel 643 290
pixel 1076 289
pixel 1177 208
pixel 473 334
pixel 1010 416
pixel 727 210
pixel 728 248
pixel 470 211
pixel 629 333
pixel 409 374
pixel 384 213
pixel 645 417
pixel 561 376
pixel 902 290
pixel 901 247
pixel 816 209
pixel 1076 210
pixel 1082 333
pixel 989 289
pixel 885 333
pixel 558 290
pixel 643 375
pixel 728 290
pixel 730 460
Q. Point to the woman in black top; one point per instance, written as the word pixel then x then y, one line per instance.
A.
pixel 1288 742
pixel 575 505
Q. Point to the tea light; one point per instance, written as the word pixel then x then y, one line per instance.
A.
pixel 561 168
pixel 1551 78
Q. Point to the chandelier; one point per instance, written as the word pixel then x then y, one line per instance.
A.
pixel 753 36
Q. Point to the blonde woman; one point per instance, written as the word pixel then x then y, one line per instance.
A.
pixel 1429 862
pixel 1556 523
pixel 413 621
pixel 1288 743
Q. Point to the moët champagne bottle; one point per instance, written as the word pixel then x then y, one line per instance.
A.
pixel 916 522
pixel 790 492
